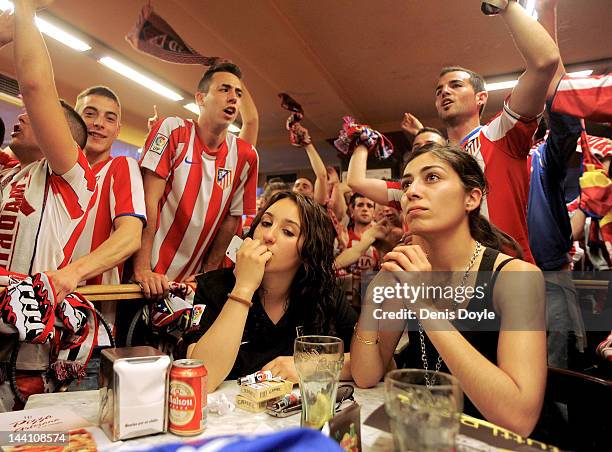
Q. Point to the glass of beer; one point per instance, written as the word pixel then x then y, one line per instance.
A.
pixel 424 408
pixel 318 360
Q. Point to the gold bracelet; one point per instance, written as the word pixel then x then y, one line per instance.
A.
pixel 244 301
pixel 362 340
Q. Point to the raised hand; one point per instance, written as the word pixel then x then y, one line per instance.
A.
pixel 251 261
pixel 410 124
pixel 153 119
pixel 379 231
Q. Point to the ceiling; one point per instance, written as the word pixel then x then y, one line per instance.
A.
pixel 372 59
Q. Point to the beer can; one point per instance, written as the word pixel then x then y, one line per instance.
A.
pixel 187 398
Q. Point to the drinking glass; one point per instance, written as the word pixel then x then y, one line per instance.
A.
pixel 318 360
pixel 423 417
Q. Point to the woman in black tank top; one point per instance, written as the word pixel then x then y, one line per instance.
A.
pixel 494 342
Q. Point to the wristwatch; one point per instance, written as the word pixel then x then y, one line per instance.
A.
pixel 493 7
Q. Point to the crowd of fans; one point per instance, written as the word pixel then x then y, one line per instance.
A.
pixel 481 197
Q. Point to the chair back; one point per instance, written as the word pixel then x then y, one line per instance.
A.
pixel 589 403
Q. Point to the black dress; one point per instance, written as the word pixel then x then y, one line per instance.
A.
pixel 483 336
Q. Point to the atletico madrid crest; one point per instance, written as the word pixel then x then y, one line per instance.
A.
pixel 224 178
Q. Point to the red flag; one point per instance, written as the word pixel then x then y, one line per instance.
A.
pixel 585 97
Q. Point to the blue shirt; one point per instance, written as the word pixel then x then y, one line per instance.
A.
pixel 550 231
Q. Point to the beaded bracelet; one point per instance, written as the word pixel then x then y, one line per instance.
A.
pixel 362 340
pixel 244 301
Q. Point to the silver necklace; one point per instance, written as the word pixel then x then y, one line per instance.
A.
pixel 429 382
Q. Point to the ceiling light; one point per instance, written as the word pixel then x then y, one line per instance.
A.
pixel 60 35
pixel 52 31
pixel 584 73
pixel 501 85
pixel 512 83
pixel 139 78
pixel 192 108
pixel 530 8
pixel 11 99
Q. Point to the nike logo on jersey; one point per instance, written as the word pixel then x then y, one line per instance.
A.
pixel 191 162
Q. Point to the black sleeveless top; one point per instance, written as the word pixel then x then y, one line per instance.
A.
pixel 482 335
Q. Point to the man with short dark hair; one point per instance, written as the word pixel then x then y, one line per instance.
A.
pixel 114 225
pixel 420 134
pixel 198 181
pixel 207 78
pixel 502 146
pixel 50 185
pixel 105 117
pixel 425 136
pixel 363 214
pixel 351 265
pixel 22 248
pixel 304 186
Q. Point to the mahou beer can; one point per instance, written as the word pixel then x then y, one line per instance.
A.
pixel 187 401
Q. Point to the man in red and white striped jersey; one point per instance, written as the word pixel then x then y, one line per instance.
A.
pixel 198 180
pixel 111 232
pixel 502 146
pixel 49 188
pixel 46 185
pixel 351 263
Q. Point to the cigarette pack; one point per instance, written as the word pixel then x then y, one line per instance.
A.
pixel 266 390
pixel 247 404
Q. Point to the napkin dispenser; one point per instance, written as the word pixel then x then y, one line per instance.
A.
pixel 133 391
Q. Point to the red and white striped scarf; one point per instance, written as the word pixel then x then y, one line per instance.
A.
pixel 29 307
pixel 353 134
pixel 154 36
